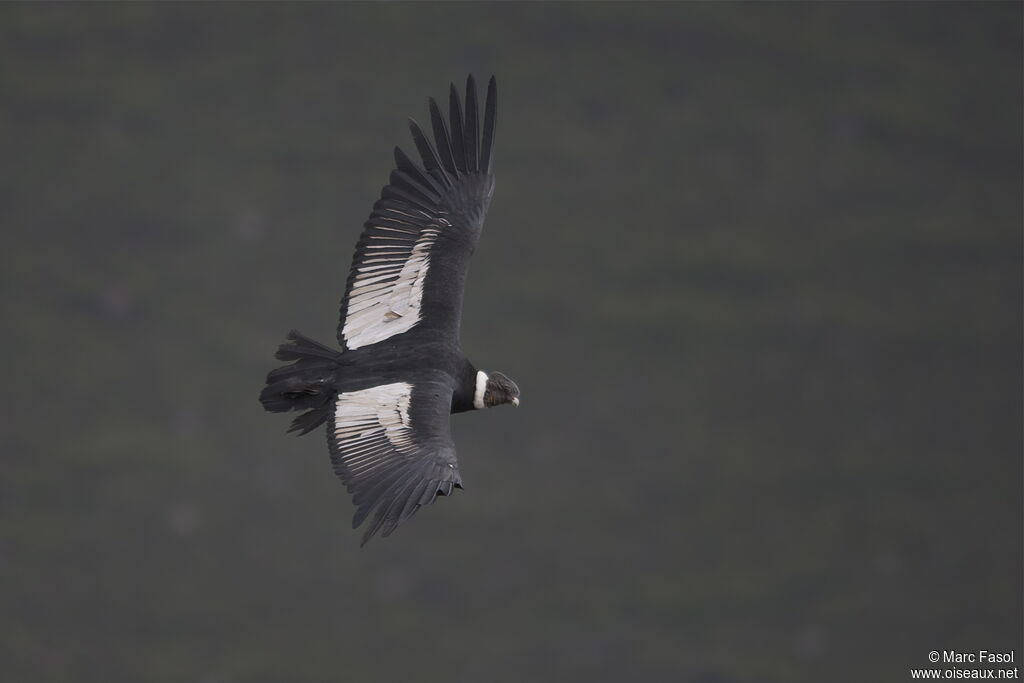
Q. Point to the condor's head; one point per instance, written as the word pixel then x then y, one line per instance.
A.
pixel 493 390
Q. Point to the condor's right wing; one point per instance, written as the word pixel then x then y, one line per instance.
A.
pixel 392 447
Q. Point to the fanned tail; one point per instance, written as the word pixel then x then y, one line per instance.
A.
pixel 304 384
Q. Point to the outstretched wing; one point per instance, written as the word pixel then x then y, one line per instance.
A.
pixel 410 265
pixel 392 447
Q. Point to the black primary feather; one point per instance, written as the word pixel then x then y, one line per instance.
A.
pixel 441 139
pixel 490 120
pixel 458 132
pixel 471 136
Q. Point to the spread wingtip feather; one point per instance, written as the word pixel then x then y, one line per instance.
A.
pixel 442 141
pixel 471 123
pixel 490 119
pixel 460 145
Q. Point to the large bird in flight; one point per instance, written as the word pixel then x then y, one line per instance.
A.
pixel 386 396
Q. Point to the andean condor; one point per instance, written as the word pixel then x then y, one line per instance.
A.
pixel 387 394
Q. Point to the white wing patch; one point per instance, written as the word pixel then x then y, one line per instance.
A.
pixel 387 291
pixel 366 422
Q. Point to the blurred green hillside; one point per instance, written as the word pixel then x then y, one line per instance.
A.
pixel 755 267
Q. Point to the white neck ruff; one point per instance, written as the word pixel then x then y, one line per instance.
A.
pixel 481 387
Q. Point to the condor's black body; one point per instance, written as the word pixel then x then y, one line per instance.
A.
pixel 387 394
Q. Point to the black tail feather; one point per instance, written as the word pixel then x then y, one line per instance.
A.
pixel 308 421
pixel 304 347
pixel 287 371
pixel 306 384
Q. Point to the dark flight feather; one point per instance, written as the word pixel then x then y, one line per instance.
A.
pixel 404 163
pixel 458 131
pixel 471 136
pixel 441 140
pixel 490 119
pixel 430 159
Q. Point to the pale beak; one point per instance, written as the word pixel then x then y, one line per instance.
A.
pixel 515 402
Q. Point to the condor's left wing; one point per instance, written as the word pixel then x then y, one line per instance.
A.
pixel 410 265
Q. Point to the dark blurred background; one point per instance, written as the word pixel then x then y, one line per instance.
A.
pixel 756 268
